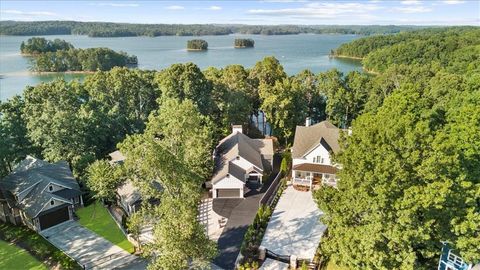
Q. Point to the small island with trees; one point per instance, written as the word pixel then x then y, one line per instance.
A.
pixel 244 43
pixel 61 56
pixel 197 45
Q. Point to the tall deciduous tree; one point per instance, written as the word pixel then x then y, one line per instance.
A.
pixel 103 179
pixel 186 81
pixel 408 180
pixel 14 143
pixel 181 129
pixel 58 122
pixel 179 239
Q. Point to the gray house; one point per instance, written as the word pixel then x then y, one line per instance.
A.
pixel 128 195
pixel 39 194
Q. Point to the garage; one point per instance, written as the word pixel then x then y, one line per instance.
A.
pixel 56 216
pixel 228 193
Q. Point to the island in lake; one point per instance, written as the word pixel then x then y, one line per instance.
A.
pixel 197 45
pixel 244 43
pixel 60 56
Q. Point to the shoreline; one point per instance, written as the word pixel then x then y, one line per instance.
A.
pixel 243 47
pixel 62 72
pixel 347 57
pixel 196 50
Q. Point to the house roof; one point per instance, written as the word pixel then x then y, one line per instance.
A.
pixel 317 168
pixel 29 180
pixel 307 138
pixel 129 193
pixel 239 144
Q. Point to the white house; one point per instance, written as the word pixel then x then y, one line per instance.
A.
pixel 311 154
pixel 239 160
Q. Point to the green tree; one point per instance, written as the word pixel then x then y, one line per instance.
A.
pixel 15 144
pixel 103 179
pixel 179 239
pixel 409 168
pixel 186 81
pixel 185 133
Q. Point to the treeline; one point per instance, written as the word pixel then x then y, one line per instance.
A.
pixel 60 56
pixel 446 47
pixel 244 43
pixel 38 45
pixel 197 44
pixel 105 29
pixel 91 59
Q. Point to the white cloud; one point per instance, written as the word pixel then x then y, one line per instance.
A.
pixel 320 10
pixel 412 9
pixel 453 2
pixel 115 4
pixel 215 8
pixel 410 2
pixel 28 13
pixel 175 7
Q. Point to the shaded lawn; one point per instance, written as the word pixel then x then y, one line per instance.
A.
pixel 35 244
pixel 96 218
pixel 14 257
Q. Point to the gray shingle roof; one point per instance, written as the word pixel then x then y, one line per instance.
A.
pixel 239 144
pixel 30 179
pixel 306 138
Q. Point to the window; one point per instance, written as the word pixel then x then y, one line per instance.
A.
pixel 52 202
pixel 318 159
pixel 50 188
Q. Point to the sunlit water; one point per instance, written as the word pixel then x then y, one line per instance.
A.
pixel 295 53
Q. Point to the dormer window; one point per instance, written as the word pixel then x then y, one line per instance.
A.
pixel 50 188
pixel 52 202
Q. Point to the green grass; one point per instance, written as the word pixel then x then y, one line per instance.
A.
pixel 96 218
pixel 14 257
pixel 35 244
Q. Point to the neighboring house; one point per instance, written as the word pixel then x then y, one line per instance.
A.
pixel 239 160
pixel 311 154
pixel 39 194
pixel 128 195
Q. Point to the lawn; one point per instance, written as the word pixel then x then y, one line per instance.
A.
pixel 34 245
pixel 96 218
pixel 14 257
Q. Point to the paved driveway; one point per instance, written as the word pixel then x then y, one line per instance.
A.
pixel 295 227
pixel 90 249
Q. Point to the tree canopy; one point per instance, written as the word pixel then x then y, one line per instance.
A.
pixel 37 45
pixel 197 45
pixel 244 43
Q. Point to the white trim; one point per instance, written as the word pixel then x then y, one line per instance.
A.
pixel 50 183
pixel 54 198
pixel 311 150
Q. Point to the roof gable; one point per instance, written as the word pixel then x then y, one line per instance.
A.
pixel 307 138
pixel 29 182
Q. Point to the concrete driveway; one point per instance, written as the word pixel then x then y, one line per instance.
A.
pixel 89 249
pixel 295 227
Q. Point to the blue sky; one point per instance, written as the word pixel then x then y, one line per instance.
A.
pixel 448 12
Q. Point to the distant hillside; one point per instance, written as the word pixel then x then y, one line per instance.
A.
pixel 450 47
pixel 106 29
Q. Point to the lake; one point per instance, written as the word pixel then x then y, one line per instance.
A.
pixel 295 53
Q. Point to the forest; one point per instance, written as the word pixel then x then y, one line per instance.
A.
pixel 410 164
pixel 60 56
pixel 105 29
pixel 197 45
pixel 37 45
pixel 453 48
pixel 244 43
